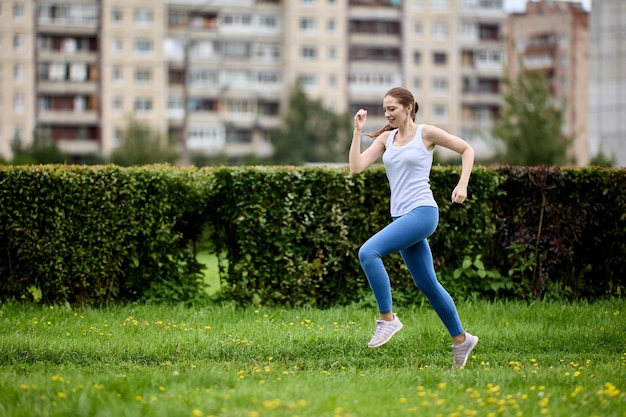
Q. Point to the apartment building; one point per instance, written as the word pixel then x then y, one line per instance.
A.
pixel 553 36
pixel 607 80
pixel 216 74
pixel 17 73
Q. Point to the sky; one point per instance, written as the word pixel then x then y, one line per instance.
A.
pixel 520 5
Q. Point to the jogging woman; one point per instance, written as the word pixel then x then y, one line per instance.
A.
pixel 407 150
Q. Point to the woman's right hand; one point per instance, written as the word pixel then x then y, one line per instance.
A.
pixel 359 119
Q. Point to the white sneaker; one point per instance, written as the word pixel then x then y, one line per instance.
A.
pixel 385 331
pixel 462 351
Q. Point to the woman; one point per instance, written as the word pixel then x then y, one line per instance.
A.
pixel 407 152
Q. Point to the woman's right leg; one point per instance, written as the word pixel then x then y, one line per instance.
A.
pixel 402 233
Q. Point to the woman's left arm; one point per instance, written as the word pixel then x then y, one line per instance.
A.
pixel 433 136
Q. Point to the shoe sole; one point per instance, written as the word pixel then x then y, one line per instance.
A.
pixel 387 339
pixel 469 352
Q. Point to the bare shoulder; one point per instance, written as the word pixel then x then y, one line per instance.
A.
pixel 433 135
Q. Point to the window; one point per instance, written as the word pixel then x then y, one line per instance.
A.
pixel 116 46
pixel 418 4
pixel 307 24
pixel 118 135
pixel 268 77
pixel 417 85
pixel 440 85
pixel 18 42
pixel 174 103
pixel 78 71
pixel 203 77
pixel 142 17
pixel 143 75
pixel 482 114
pixel 18 12
pixel 238 136
pixel 116 16
pixel 331 25
pixel 268 51
pixel 143 46
pixel 468 30
pixel 440 112
pixel 440 31
pixel 175 18
pixel 143 105
pixel 18 103
pixel 417 58
pixel 440 5
pixel 308 52
pixel 268 21
pixel 418 29
pixel 117 105
pixel 236 49
pixel 440 58
pixel 117 75
pixel 307 81
pixel 18 73
pixel 205 138
pixel 332 53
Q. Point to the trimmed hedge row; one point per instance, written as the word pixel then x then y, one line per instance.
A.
pixel 95 235
pixel 291 235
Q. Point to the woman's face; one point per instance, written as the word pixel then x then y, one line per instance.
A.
pixel 395 112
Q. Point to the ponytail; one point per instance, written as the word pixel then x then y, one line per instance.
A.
pixel 379 131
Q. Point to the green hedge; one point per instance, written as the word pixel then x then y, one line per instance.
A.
pixel 94 235
pixel 291 235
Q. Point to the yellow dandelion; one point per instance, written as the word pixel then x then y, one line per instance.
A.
pixel 61 395
pixel 196 413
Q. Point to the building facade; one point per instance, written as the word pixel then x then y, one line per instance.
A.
pixel 553 36
pixel 216 74
pixel 607 80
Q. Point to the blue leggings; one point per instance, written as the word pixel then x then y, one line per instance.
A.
pixel 408 234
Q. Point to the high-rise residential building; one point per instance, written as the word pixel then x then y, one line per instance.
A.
pixel 553 36
pixel 607 80
pixel 219 72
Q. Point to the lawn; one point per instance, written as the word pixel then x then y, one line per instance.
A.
pixel 533 359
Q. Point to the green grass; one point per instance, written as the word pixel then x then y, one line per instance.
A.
pixel 541 359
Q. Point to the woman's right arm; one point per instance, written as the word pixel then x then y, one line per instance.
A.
pixel 359 162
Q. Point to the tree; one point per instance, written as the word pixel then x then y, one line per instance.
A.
pixel 141 145
pixel 311 133
pixel 530 125
pixel 41 151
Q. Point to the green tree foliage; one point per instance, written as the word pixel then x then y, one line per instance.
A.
pixel 601 160
pixel 311 133
pixel 141 145
pixel 42 150
pixel 530 125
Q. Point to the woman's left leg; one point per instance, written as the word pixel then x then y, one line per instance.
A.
pixel 419 260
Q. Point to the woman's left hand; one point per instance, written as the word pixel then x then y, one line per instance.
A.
pixel 459 194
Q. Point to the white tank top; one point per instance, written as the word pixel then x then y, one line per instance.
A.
pixel 408 171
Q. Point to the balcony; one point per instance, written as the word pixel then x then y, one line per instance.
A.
pixel 78 146
pixel 64 87
pixel 65 117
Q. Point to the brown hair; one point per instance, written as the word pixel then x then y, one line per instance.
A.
pixel 405 97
